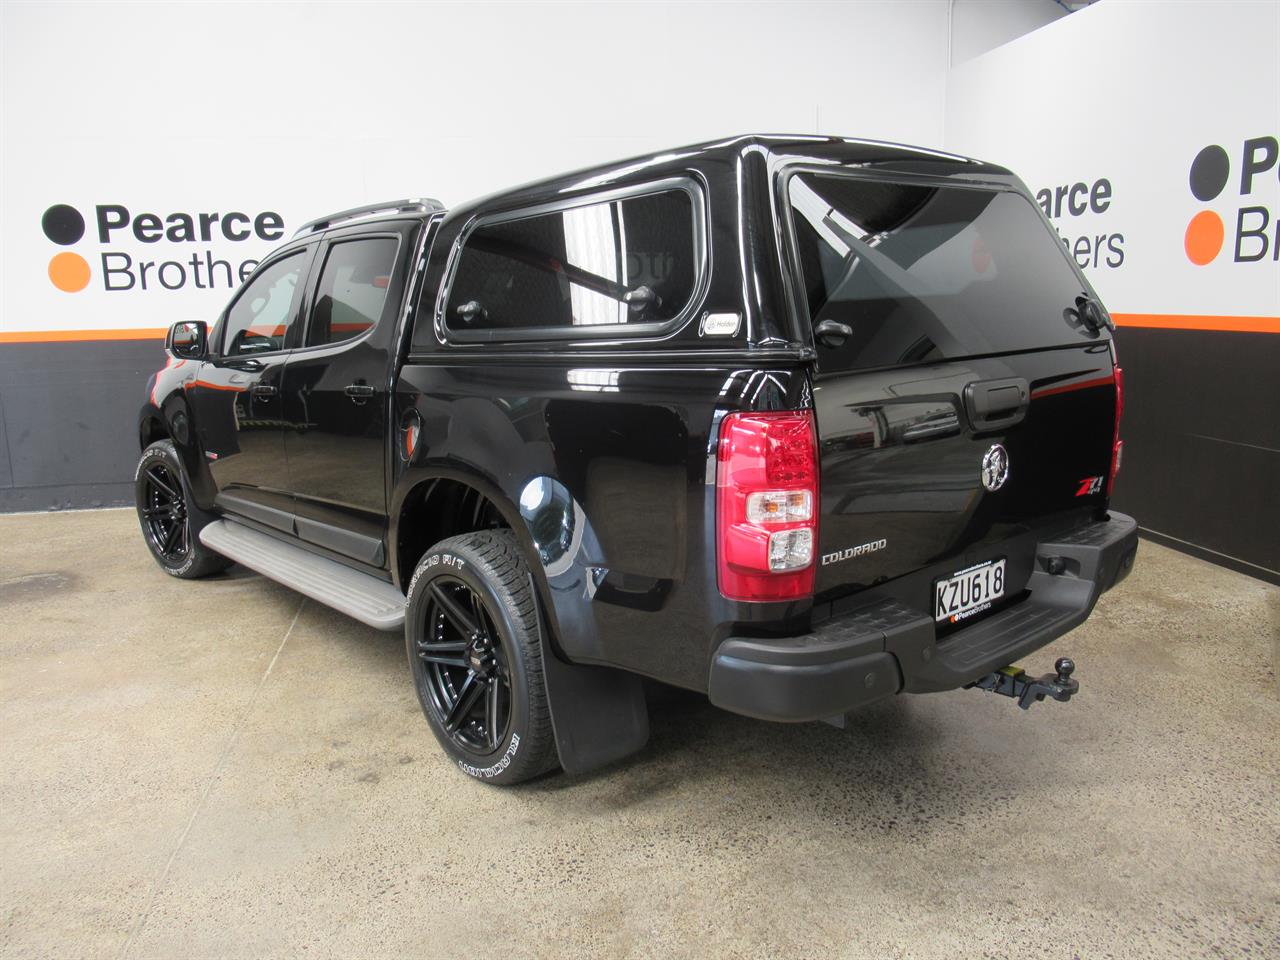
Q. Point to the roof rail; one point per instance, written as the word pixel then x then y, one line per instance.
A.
pixel 412 205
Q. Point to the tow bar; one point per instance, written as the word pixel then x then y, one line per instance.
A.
pixel 1014 682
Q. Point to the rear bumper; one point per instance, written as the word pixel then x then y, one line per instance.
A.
pixel 888 647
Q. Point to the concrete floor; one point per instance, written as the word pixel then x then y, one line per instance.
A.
pixel 221 769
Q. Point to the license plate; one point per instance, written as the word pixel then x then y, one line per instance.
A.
pixel 969 592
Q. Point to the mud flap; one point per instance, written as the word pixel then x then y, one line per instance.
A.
pixel 598 714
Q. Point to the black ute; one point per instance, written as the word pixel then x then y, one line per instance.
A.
pixel 798 422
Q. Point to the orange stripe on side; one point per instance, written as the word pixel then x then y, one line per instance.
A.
pixel 1082 385
pixel 205 384
pixel 1158 321
pixel 1174 321
pixel 60 336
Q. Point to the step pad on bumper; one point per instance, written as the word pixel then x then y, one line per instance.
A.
pixel 1001 630
pixel 844 663
pixel 356 594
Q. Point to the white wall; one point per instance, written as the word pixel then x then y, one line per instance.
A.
pixel 981 25
pixel 1121 99
pixel 305 108
pixel 1131 92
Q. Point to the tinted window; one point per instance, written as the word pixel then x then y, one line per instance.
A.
pixel 927 273
pixel 353 288
pixel 622 262
pixel 259 320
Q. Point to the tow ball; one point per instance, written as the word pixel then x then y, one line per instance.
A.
pixel 1014 682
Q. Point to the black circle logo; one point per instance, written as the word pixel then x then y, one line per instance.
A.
pixel 1209 172
pixel 63 224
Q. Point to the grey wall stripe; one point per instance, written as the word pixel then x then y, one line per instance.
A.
pixel 68 415
pixel 68 421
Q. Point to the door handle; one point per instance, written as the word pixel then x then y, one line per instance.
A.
pixel 997 404
pixel 264 390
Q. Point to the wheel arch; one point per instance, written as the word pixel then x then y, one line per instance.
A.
pixel 469 501
pixel 151 427
pixel 598 713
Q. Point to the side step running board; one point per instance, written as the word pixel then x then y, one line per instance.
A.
pixel 356 594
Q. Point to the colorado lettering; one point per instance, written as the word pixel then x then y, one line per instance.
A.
pixel 858 551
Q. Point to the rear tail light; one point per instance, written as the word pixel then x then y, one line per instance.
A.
pixel 766 505
pixel 1117 445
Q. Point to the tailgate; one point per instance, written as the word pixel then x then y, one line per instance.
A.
pixel 964 387
pixel 902 461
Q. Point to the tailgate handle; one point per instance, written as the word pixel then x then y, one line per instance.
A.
pixel 997 404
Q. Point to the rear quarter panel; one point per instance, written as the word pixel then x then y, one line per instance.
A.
pixel 605 471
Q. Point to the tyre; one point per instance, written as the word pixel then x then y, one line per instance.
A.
pixel 170 520
pixel 475 648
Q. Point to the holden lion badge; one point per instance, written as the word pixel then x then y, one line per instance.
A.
pixel 995 467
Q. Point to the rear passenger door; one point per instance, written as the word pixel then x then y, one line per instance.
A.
pixel 335 390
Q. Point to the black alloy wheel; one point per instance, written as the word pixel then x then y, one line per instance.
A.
pixel 164 512
pixel 466 671
pixel 170 518
pixel 475 644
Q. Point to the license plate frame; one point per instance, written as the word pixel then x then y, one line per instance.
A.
pixel 979 587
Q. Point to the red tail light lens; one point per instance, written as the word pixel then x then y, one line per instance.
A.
pixel 1117 445
pixel 767 505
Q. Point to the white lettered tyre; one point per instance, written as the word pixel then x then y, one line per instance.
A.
pixel 474 643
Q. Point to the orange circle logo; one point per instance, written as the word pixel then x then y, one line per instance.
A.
pixel 69 272
pixel 1204 237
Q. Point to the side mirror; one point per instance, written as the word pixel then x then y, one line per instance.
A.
pixel 188 340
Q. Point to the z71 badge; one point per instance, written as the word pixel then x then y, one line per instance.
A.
pixel 1089 486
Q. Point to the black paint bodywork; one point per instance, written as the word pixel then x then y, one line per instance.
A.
pixel 599 453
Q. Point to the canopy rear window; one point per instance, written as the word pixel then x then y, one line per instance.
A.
pixel 924 273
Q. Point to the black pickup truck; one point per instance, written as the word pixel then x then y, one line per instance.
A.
pixel 798 422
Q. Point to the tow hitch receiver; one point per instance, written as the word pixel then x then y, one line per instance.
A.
pixel 1014 682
